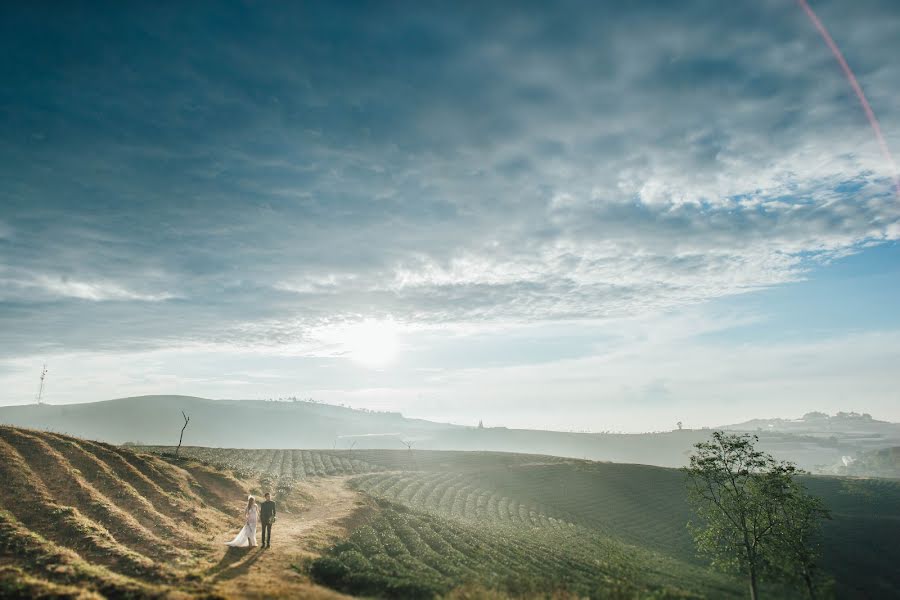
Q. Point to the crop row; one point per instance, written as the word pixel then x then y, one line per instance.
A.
pixel 453 461
pixel 285 466
pixel 641 505
pixel 457 495
pixel 601 497
pixel 412 554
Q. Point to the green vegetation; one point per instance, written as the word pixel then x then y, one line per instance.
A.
pixel 281 468
pixel 644 506
pixel 406 553
pixel 549 499
pixel 107 521
pixel 755 517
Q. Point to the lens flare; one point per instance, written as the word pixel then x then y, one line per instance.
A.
pixel 848 72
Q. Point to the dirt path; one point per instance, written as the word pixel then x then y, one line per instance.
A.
pixel 325 510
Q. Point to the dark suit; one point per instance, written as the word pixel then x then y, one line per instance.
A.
pixel 266 516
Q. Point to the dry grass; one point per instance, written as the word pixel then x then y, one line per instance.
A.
pixel 83 520
pixel 311 519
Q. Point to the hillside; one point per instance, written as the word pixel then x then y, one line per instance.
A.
pixel 215 423
pixel 627 513
pixel 84 515
pixel 156 420
pixel 82 519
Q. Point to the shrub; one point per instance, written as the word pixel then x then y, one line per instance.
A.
pixel 329 571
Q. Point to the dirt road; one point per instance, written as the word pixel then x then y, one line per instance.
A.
pixel 324 510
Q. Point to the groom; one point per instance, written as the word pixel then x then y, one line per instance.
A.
pixel 267 516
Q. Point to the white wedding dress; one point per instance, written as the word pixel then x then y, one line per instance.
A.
pixel 247 535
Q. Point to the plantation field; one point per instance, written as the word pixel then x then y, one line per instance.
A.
pixel 409 553
pixel 81 519
pixel 636 506
pixel 281 468
pixel 644 506
pixel 647 507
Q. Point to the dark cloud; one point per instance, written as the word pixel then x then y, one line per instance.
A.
pixel 245 173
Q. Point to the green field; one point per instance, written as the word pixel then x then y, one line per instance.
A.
pixel 615 527
pixel 411 553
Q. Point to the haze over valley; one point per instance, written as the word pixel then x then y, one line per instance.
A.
pixel 816 442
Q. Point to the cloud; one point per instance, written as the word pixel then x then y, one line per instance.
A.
pixel 261 177
pixel 64 287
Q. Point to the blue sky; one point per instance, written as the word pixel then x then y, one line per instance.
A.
pixel 589 215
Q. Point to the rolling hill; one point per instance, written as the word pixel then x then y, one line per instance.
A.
pixel 631 514
pixel 156 420
pixel 84 519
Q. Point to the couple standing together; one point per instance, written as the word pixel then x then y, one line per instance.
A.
pixel 254 514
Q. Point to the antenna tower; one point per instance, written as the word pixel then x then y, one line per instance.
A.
pixel 40 393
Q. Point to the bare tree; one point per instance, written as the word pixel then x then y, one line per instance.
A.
pixel 181 437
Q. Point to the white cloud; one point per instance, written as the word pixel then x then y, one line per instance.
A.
pixel 96 291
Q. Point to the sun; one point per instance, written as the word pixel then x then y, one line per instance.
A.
pixel 371 343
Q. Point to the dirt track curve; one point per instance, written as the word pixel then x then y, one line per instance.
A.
pixel 326 510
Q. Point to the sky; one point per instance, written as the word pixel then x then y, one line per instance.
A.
pixel 599 216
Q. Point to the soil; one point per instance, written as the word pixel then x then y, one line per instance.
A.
pixel 322 511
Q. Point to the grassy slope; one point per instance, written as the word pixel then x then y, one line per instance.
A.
pixel 605 503
pixel 79 518
pixel 408 553
pixel 646 506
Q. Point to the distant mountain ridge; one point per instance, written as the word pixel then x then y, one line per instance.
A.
pixel 812 422
pixel 815 442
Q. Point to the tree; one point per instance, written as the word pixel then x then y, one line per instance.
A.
pixel 181 437
pixel 797 544
pixel 754 516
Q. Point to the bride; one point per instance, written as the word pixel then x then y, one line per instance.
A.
pixel 247 535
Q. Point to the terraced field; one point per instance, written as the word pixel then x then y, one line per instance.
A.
pixel 281 468
pixel 407 553
pixel 623 501
pixel 79 517
pixel 646 507
pixel 289 466
pixel 528 495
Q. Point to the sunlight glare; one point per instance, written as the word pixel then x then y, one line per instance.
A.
pixel 371 343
